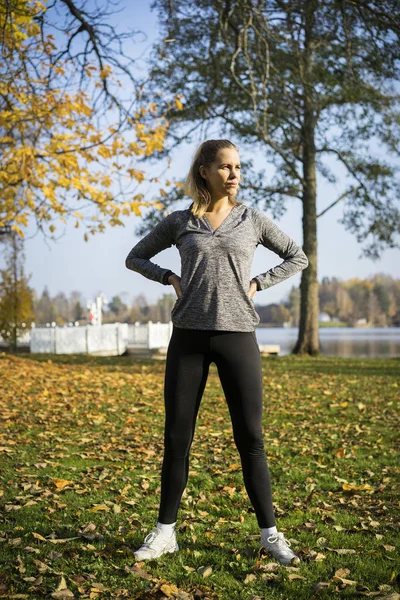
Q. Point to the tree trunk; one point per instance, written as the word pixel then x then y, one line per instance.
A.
pixel 308 338
pixel 14 336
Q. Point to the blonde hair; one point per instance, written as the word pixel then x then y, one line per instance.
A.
pixel 195 185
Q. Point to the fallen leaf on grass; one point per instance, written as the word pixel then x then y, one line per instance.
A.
pixel 188 569
pixel 341 575
pixel 342 572
pixel 352 487
pixel 269 576
pixel 98 586
pixel 77 579
pixel 344 581
pixel 30 503
pixel 342 550
pixel 269 567
pixel 36 581
pixel 234 467
pixel 10 507
pixel 62 483
pixel 293 576
pixel 322 542
pixel 312 554
pixel 53 540
pixel 137 571
pixel 30 549
pixel 319 556
pixel 340 452
pixel 184 595
pixel 42 567
pixel 98 507
pixel 62 592
pixel 205 571
pixel 61 540
pixel 169 590
pixel 15 542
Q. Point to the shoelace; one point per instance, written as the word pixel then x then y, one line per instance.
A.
pixel 150 537
pixel 277 538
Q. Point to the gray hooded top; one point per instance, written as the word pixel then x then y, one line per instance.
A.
pixel 216 264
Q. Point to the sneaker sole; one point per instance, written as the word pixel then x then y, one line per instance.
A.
pixel 293 561
pixel 167 551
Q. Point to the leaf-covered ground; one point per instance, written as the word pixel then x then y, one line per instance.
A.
pixel 81 445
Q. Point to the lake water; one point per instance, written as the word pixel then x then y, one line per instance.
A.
pixel 374 342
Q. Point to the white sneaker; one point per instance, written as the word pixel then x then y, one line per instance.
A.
pixel 155 544
pixel 276 545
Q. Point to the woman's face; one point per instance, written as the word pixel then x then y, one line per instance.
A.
pixel 223 175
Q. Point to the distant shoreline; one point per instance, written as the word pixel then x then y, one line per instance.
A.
pixel 327 325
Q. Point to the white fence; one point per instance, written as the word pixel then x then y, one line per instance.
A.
pixel 103 340
pixel 110 339
pixel 150 335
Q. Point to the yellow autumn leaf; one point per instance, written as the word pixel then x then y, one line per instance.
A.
pixel 234 467
pixel 359 488
pixel 39 537
pixel 169 590
pixel 62 483
pixel 99 507
pixel 340 452
pixel 178 104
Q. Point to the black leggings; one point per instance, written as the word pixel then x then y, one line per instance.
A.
pixel 237 357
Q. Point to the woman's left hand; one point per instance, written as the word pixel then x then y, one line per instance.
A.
pixel 252 289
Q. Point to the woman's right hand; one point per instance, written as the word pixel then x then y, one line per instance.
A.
pixel 175 280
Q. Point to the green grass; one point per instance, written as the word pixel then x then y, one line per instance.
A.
pixel 331 439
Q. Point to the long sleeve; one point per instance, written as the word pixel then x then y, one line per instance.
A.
pixel 160 238
pixel 270 236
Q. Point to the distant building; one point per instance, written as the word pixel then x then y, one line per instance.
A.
pixel 324 317
pixel 361 322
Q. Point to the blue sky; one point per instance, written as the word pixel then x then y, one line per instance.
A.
pixel 99 265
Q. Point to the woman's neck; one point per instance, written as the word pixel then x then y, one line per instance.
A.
pixel 220 205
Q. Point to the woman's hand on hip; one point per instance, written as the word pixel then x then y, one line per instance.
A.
pixel 252 289
pixel 175 280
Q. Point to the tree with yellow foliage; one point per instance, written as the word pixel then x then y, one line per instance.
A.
pixel 16 297
pixel 68 138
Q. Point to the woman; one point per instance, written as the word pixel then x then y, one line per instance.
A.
pixel 214 320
